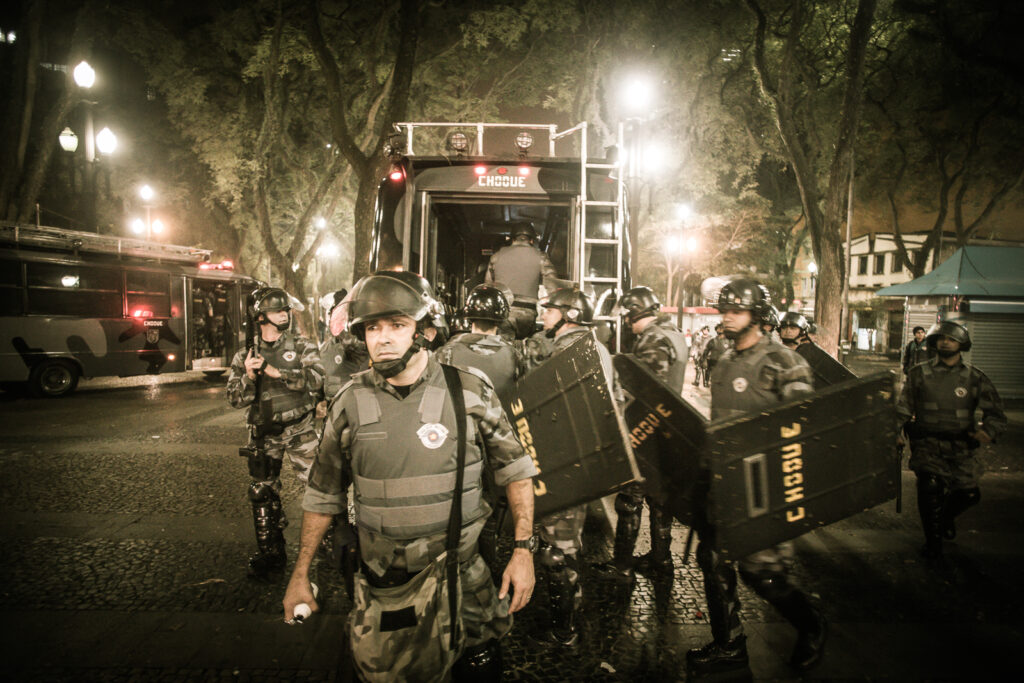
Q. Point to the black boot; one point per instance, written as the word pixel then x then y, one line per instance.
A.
pixel 717 658
pixel 269 522
pixel 957 501
pixel 565 595
pixel 627 527
pixel 479 663
pixel 658 562
pixel 812 629
pixel 930 502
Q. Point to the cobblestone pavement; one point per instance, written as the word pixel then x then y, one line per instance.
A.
pixel 125 529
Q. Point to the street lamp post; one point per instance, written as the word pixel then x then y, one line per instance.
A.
pixel 105 141
pixel 151 226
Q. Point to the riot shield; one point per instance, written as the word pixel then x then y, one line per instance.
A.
pixel 827 370
pixel 782 472
pixel 567 420
pixel 668 439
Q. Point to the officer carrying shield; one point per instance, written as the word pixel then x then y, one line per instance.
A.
pixel 662 347
pixel 568 315
pixel 393 432
pixel 285 369
pixel 794 330
pixel 756 374
pixel 938 404
pixel 523 267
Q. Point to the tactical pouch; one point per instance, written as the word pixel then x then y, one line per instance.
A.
pixel 404 632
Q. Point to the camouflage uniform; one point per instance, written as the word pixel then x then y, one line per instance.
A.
pixel 662 348
pixel 342 356
pixel 287 411
pixel 400 454
pixel 942 401
pixel 743 382
pixel 714 349
pixel 523 268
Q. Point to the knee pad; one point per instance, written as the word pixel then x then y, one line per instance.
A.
pixel 930 484
pixel 261 492
pixel 626 504
pixel 262 467
pixel 551 558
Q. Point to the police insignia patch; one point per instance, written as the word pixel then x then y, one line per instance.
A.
pixel 739 385
pixel 338 359
pixel 960 392
pixel 432 435
pixel 289 356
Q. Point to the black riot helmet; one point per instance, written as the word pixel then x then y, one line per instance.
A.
pixel 771 318
pixel 745 294
pixel 269 299
pixel 523 229
pixel 953 329
pixel 576 307
pixel 388 293
pixel 486 302
pixel 639 302
pixel 797 320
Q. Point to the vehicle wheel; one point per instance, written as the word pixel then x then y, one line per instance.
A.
pixel 53 378
pixel 214 374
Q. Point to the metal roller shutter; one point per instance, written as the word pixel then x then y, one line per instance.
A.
pixel 996 351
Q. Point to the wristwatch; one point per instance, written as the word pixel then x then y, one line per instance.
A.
pixel 531 543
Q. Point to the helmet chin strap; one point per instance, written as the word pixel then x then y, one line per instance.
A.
pixel 736 335
pixel 280 327
pixel 390 368
pixel 946 353
pixel 550 334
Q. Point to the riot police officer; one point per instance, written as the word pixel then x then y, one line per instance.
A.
pixel 568 315
pixel 771 321
pixel 342 353
pixel 794 330
pixel 523 267
pixel 662 347
pixel 939 401
pixel 756 374
pixel 482 348
pixel 287 369
pixel 393 432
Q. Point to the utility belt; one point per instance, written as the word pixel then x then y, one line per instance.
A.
pixel 530 305
pixel 916 432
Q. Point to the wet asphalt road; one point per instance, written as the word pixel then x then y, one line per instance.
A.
pixel 125 530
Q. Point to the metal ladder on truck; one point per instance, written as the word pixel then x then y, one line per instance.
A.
pixel 588 244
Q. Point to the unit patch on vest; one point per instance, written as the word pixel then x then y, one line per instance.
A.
pixel 432 435
pixel 960 392
pixel 289 356
pixel 739 385
pixel 338 359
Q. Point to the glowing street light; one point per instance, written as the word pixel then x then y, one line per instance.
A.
pixel 146 192
pixel 85 75
pixel 684 211
pixel 638 94
pixel 68 139
pixel 106 141
pixel 157 226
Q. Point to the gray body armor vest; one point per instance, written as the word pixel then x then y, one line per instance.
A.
pixel 945 400
pixel 286 405
pixel 487 353
pixel 340 360
pixel 518 266
pixel 738 383
pixel 404 459
pixel 677 370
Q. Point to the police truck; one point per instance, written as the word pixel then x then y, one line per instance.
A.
pixel 79 304
pixel 449 201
